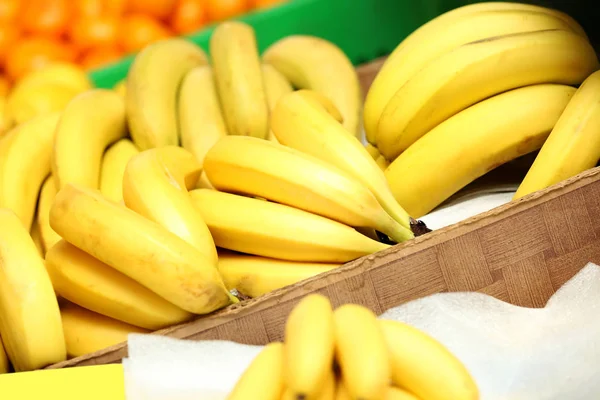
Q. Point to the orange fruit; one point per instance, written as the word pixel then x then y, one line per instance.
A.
pixel 188 16
pixel 4 86
pixel 88 8
pixel 115 7
pixel 266 3
pixel 9 10
pixel 45 17
pixel 223 9
pixel 9 35
pixel 101 30
pixel 100 56
pixel 33 53
pixel 138 30
pixel 160 9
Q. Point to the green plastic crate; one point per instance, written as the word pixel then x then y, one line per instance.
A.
pixel 363 29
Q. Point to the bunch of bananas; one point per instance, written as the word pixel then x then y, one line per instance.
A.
pixel 142 206
pixel 347 353
pixel 477 87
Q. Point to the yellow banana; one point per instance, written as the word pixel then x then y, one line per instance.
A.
pixel 121 88
pixel 64 73
pixel 85 281
pixel 4 363
pixel 254 276
pixel 203 182
pixel 77 158
pixel 36 236
pixel 299 124
pixel 33 101
pixel 313 63
pixel 476 71
pixel 254 226
pixel 238 78
pixel 87 332
pixel 278 173
pixel 574 143
pixel 263 379
pixel 200 119
pixel 414 355
pixel 361 352
pixel 309 347
pixel 30 325
pixel 149 254
pixel 112 170
pixel 326 392
pixel 473 142
pixel 446 32
pixel 6 123
pixel 382 162
pixel 373 151
pixel 47 194
pixel 153 82
pixel 391 393
pixel 276 85
pixel 155 185
pixel 25 160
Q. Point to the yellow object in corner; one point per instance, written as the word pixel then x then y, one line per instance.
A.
pixel 98 382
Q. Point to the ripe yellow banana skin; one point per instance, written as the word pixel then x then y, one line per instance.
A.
pixel 87 332
pixel 313 63
pixel 114 161
pixel 155 185
pixel 89 283
pixel 476 71
pixel 47 194
pixel 267 229
pixel 382 162
pixel 361 352
pixel 326 392
pixel 309 347
pixel 373 151
pixel 301 125
pixel 415 355
pixel 392 393
pixel 239 81
pixel 200 118
pixel 276 85
pixel 36 236
pixel 452 29
pixel 282 174
pixel 77 157
pixel 62 73
pixel 574 143
pixel 254 276
pixel 4 363
pixel 25 161
pixel 30 326
pixel 473 142
pixel 263 379
pixel 153 82
pixel 151 255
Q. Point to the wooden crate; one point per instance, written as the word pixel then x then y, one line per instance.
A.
pixel 521 253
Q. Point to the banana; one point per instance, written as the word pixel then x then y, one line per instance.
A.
pixel 203 182
pixel 382 162
pixel 476 71
pixel 152 85
pixel 473 142
pixel 254 276
pixel 89 283
pixel 121 88
pixel 276 85
pixel 87 332
pixel 391 393
pixel 77 157
pixel 373 151
pixel 313 63
pixel 326 392
pixel 574 143
pixel 155 185
pixel 200 119
pixel 361 352
pixel 263 379
pixel 47 194
pixel 112 170
pixel 63 73
pixel 36 236
pixel 149 254
pixel 33 101
pixel 414 355
pixel 444 33
pixel 309 347
pixel 238 78
pixel 275 230
pixel 278 173
pixel 25 160
pixel 299 124
pixel 30 323
pixel 4 363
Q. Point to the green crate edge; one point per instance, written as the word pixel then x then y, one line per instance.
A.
pixel 364 30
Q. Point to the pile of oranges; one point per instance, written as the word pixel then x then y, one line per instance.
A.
pixel 34 33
